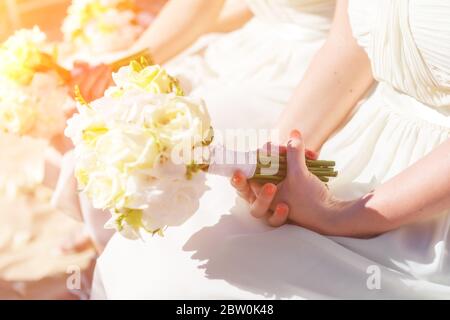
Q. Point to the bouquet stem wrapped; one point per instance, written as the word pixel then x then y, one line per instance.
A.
pixel 263 168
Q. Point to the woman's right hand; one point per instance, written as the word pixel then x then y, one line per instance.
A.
pixel 260 197
pixel 92 80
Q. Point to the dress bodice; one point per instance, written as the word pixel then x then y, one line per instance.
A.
pixel 315 14
pixel 408 43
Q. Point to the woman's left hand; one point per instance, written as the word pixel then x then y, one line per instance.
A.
pixel 91 80
pixel 310 204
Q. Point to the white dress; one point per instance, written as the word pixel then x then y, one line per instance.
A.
pixel 252 72
pixel 222 252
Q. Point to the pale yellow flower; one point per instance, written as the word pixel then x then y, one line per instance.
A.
pixel 20 55
pixel 152 79
pixel 101 25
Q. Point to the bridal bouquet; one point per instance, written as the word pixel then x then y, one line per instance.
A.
pixel 101 26
pixel 33 97
pixel 125 144
pixel 142 148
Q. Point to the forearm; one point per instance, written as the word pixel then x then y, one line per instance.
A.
pixel 418 192
pixel 233 16
pixel 178 25
pixel 337 78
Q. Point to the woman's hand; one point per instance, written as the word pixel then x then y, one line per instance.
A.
pixel 305 200
pixel 92 80
pixel 260 199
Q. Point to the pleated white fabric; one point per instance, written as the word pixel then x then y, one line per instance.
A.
pixel 408 43
pixel 222 252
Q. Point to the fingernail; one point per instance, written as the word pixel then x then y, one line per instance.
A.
pixel 310 154
pixel 270 189
pixel 236 179
pixel 295 134
pixel 281 209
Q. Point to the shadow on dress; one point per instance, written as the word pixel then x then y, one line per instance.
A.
pixel 287 262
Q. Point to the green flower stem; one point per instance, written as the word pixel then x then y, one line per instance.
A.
pixel 320 163
pixel 325 174
pixel 321 169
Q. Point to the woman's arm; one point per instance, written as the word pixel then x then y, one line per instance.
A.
pixel 336 79
pixel 181 22
pixel 418 192
pixel 234 15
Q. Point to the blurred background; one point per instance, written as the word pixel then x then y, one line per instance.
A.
pixel 47 14
pixel 38 244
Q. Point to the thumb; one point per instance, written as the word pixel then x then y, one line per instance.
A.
pixel 296 154
pixel 81 64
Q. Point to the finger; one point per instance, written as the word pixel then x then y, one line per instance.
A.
pixel 104 81
pixel 261 205
pixel 81 64
pixel 311 155
pixel 85 81
pixel 239 182
pixel 95 78
pixel 79 67
pixel 255 187
pixel 279 216
pixel 296 154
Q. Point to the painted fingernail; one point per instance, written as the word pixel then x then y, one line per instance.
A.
pixel 281 209
pixel 236 179
pixel 310 154
pixel 295 134
pixel 270 189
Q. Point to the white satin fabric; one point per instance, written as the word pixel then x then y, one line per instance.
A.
pixel 222 252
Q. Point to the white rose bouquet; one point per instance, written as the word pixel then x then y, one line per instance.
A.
pixel 124 145
pixel 101 26
pixel 33 95
pixel 140 151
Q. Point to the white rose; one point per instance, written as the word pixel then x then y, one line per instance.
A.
pixel 182 123
pixel 168 203
pixel 152 79
pixel 106 188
